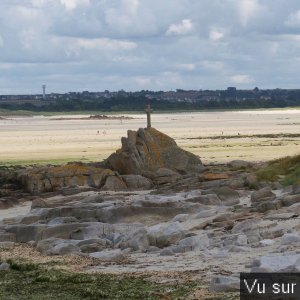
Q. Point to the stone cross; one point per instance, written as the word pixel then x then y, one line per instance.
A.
pixel 148 110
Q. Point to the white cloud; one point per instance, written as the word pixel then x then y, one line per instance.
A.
pixel 241 79
pixel 72 4
pixel 126 44
pixel 293 19
pixel 186 67
pixel 28 37
pixel 143 81
pixel 213 65
pixel 104 44
pixel 248 9
pixel 1 41
pixel 184 27
pixel 215 34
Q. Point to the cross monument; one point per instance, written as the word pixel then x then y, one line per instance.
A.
pixel 148 110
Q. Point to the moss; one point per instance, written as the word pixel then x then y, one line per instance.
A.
pixel 32 281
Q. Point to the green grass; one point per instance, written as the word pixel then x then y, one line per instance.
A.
pixel 39 282
pixel 287 167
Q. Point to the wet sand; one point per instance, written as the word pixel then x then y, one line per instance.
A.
pixel 44 139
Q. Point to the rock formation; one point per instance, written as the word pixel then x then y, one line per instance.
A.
pixel 148 150
pixel 147 156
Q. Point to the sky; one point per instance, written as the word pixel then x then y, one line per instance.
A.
pixel 94 45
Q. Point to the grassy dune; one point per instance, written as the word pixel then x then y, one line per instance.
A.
pixel 287 169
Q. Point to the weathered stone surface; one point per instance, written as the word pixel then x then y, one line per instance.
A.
pixel 7 245
pixel 192 243
pixel 251 180
pixel 262 195
pixel 214 176
pixel 94 245
pixel 163 176
pixel 224 284
pixel 245 226
pixel 148 150
pixel 227 195
pixel 137 182
pixel 108 255
pixel 4 266
pixel 162 235
pixel 209 199
pixel 55 246
pixel 25 233
pixel 267 205
pixel 114 183
pixel 267 242
pixel 290 238
pixel 239 164
pixel 135 240
pixel 7 237
pixel 283 263
pixel 290 200
pixel 40 180
pixel 296 188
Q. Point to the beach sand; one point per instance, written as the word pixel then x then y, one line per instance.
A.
pixel 44 139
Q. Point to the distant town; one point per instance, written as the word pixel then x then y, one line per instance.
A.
pixel 179 99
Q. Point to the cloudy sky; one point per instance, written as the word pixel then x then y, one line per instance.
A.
pixel 75 45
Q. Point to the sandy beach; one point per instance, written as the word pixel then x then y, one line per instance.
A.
pixel 49 139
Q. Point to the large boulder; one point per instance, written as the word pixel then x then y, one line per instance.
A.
pixel 149 150
pixel 163 235
pixel 262 195
pixel 137 182
pixel 283 263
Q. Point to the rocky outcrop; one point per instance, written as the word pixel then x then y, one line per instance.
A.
pixel 48 179
pixel 148 150
pixel 38 180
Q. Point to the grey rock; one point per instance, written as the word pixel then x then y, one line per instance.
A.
pixel 64 248
pixel 267 242
pixel 283 263
pixel 162 235
pixel 192 243
pixel 239 164
pixel 114 183
pixel 296 188
pixel 245 226
pixel 290 200
pixel 4 266
pixel 7 237
pixel 166 252
pixel 55 246
pixel 238 249
pixel 137 182
pixel 227 195
pixel 265 206
pixel 262 195
pixel 251 181
pixel 180 218
pixel 290 238
pixel 209 199
pixel 108 255
pixel 241 240
pixel 7 245
pixel 224 284
pixel 135 240
pixel 148 150
pixel 93 247
pixel 164 175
